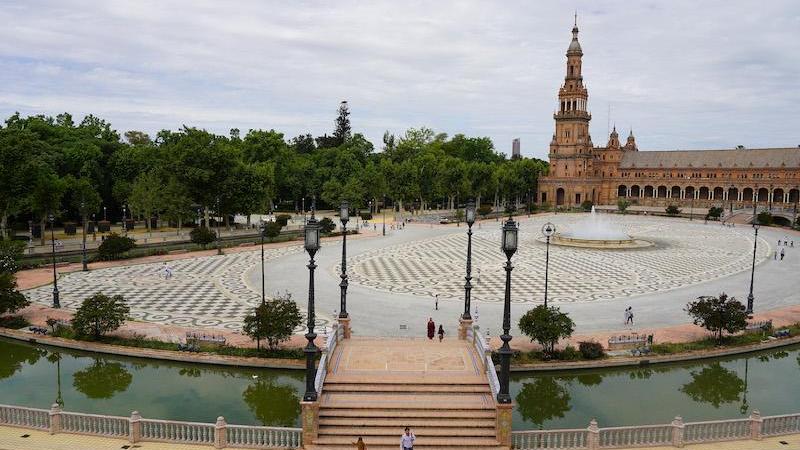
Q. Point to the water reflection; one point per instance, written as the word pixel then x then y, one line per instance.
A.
pixel 103 379
pixel 714 384
pixel 55 358
pixel 272 403
pixel 12 358
pixel 543 399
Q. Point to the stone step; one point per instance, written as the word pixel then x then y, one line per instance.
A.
pixel 396 445
pixel 412 378
pixel 441 431
pixel 406 388
pixel 436 401
pixel 421 422
pixel 393 413
pixel 422 441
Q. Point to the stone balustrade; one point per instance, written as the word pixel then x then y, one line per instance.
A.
pixel 136 429
pixel 482 348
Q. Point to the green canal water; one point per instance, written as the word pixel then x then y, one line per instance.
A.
pixel 93 383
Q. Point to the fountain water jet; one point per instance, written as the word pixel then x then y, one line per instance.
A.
pixel 596 232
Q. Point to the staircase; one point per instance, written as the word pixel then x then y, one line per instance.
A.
pixel 376 388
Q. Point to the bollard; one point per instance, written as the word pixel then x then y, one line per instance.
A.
pixel 755 425
pixel 677 431
pixel 55 418
pixel 593 439
pixel 220 433
pixel 135 427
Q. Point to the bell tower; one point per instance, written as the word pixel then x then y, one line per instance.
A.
pixel 570 149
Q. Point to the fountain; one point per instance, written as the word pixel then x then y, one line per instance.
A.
pixel 596 232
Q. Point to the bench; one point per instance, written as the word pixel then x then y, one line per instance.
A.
pixel 758 327
pixel 629 341
pixel 203 337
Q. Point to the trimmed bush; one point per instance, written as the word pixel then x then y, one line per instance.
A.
pixel 114 246
pixel 282 219
pixel 672 210
pixel 273 229
pixel 485 210
pixel 586 205
pixel 366 216
pixel 591 350
pixel 326 225
pixel 203 236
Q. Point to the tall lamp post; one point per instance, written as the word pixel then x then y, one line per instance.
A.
pixel 470 216
pixel 548 230
pixel 219 245
pixel 344 317
pixel 753 269
pixel 56 302
pixel 509 247
pixel 84 261
pixel 124 220
pixel 311 232
pixel 262 228
pixel 384 214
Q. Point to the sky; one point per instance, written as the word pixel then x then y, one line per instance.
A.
pixel 681 74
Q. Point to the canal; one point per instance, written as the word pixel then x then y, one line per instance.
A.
pixel 37 376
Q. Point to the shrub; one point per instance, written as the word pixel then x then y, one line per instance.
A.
pixel 622 204
pixel 114 246
pixel 326 225
pixel 485 210
pixel 586 205
pixel 591 350
pixel 282 219
pixel 569 353
pixel 672 210
pixel 100 314
pixel 14 322
pixel 366 216
pixel 273 229
pixel 203 236
pixel 765 218
pixel 714 213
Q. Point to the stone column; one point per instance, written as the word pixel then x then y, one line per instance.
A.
pixel 593 439
pixel 135 427
pixel 503 423
pixel 755 425
pixel 55 418
pixel 677 432
pixel 309 412
pixel 683 194
pixel 344 323
pixel 220 433
pixel 463 328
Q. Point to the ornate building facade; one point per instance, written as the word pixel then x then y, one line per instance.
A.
pixel 579 171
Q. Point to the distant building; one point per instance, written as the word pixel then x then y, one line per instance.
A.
pixel 515 149
pixel 581 171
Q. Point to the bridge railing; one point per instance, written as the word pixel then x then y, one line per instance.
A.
pixel 485 354
pixel 327 353
pixel 137 429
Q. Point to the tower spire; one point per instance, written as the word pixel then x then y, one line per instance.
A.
pixel 576 18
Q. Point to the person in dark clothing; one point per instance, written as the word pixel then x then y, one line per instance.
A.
pixel 441 332
pixel 431 328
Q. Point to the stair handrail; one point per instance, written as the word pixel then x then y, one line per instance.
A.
pixel 484 351
pixel 327 353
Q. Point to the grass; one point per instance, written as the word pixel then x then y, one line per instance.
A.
pixel 671 348
pixel 140 341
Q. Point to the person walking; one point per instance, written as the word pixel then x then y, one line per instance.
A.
pixel 783 253
pixel 359 444
pixel 436 302
pixel 431 328
pixel 441 332
pixel 407 440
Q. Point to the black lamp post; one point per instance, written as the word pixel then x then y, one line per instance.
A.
pixel 262 228
pixel 312 246
pixel 384 214
pixel 753 269
pixel 124 220
pixel 56 302
pixel 219 246
pixel 344 216
pixel 548 230
pixel 509 247
pixel 729 198
pixel 84 261
pixel 470 216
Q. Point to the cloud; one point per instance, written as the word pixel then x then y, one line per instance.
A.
pixel 683 74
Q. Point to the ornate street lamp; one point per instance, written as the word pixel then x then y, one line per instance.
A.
pixel 56 302
pixel 344 216
pixel 262 228
pixel 312 246
pixel 219 247
pixel 509 247
pixel 548 230
pixel 753 269
pixel 470 216
pixel 124 223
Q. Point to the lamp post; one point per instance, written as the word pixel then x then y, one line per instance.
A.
pixel 262 228
pixel 56 302
pixel 311 232
pixel 124 223
pixel 344 216
pixel 105 217
pixel 470 216
pixel 219 245
pixel 384 214
pixel 84 261
pixel 509 247
pixel 753 269
pixel 548 230
pixel 729 198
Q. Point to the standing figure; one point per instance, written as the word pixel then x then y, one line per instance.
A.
pixel 441 332
pixel 407 440
pixel 436 302
pixel 431 328
pixel 783 253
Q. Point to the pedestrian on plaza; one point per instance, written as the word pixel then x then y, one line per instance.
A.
pixel 441 332
pixel 625 317
pixel 359 444
pixel 629 316
pixel 407 440
pixel 779 242
pixel 791 244
pixel 783 253
pixel 431 328
pixel 436 302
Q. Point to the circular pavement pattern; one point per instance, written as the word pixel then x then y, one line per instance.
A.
pixel 685 253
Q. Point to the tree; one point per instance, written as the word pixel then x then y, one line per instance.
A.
pixel 100 314
pixel 672 210
pixel 546 325
pixel 114 246
pixel 202 236
pixel 272 403
pixel 765 218
pixel 714 384
pixel 103 379
pixel 273 229
pixel 147 194
pixel 714 213
pixel 542 400
pixel 718 314
pixel 11 300
pixel 274 321
pixel 622 205
pixel 342 131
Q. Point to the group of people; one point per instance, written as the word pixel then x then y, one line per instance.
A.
pixel 406 441
pixel 432 330
pixel 785 243
pixel 629 315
